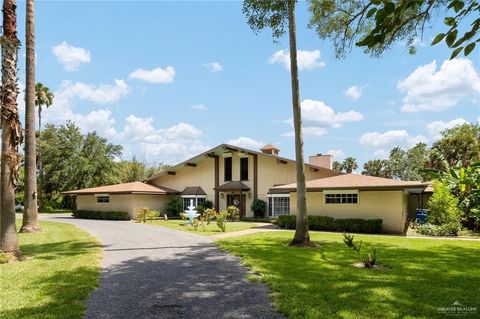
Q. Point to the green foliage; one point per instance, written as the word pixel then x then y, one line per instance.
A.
pixel 443 206
pixel 174 206
pixel 145 213
pixel 458 144
pixel 370 260
pixel 378 168
pixel 326 223
pixel 337 166
pixel 135 170
pixel 221 220
pixel 272 14
pixel 90 214
pixel 376 25
pixel 259 208
pixel 449 229
pixel 74 161
pixel 233 212
pixel 349 164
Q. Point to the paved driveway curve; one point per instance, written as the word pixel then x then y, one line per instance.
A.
pixel 156 272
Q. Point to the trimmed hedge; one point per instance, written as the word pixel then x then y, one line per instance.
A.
pixel 91 214
pixel 354 225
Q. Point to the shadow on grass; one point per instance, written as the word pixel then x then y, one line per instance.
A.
pixel 54 250
pixel 321 282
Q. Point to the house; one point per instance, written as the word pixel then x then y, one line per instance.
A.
pixel 226 175
pixel 357 196
pixel 230 175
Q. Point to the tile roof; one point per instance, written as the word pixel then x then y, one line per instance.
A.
pixel 125 188
pixel 193 190
pixel 233 186
pixel 354 181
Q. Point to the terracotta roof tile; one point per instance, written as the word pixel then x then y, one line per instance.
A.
pixel 125 188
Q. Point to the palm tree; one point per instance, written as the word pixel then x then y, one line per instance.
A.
pixel 349 164
pixel 43 97
pixel 377 168
pixel 12 134
pixel 337 166
pixel 30 215
pixel 277 15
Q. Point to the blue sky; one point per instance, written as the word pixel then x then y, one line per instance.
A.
pixel 170 79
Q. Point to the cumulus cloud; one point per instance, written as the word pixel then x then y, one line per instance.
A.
pixel 246 142
pixel 353 92
pixel 437 127
pixel 214 66
pixel 198 107
pixel 308 131
pixel 382 142
pixel 318 114
pixel 157 75
pixel 100 94
pixel 337 154
pixel 70 57
pixel 429 89
pixel 307 60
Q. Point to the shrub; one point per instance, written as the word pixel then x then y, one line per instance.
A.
pixel 370 260
pixel 450 229
pixel 259 208
pixel 443 206
pixel 174 206
pixel 356 225
pixel 91 214
pixel 221 219
pixel 141 215
pixel 233 212
pixel 207 204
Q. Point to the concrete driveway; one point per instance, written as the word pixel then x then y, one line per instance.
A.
pixel 156 272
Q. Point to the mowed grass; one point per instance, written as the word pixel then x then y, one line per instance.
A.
pixel 211 229
pixel 419 275
pixel 61 270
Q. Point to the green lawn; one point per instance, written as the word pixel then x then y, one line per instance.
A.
pixel 61 270
pixel 211 229
pixel 419 275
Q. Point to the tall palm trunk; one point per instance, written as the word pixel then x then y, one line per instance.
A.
pixel 302 236
pixel 11 129
pixel 30 216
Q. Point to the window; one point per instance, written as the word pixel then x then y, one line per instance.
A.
pixel 244 169
pixel 196 201
pixel 278 206
pixel 341 198
pixel 103 199
pixel 228 168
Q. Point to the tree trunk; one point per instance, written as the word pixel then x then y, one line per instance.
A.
pixel 30 215
pixel 302 237
pixel 11 129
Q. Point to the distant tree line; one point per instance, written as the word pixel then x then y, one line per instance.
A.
pixel 72 160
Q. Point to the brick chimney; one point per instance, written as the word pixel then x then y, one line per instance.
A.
pixel 321 160
pixel 270 150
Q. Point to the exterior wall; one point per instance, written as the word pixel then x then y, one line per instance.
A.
pixel 122 203
pixel 390 206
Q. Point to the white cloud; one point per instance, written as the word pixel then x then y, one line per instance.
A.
pixel 246 142
pixel 100 121
pixel 214 66
pixel 353 92
pixel 308 131
pixel 100 94
pixel 389 139
pixel 157 75
pixel 198 107
pixel 307 60
pixel 427 89
pixel 70 57
pixel 435 128
pixel 337 154
pixel 318 114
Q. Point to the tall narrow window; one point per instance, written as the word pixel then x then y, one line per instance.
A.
pixel 228 168
pixel 244 168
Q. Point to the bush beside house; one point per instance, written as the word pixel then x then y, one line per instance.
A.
pixel 326 223
pixel 174 206
pixel 259 208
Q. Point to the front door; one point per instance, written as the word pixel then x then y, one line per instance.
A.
pixel 234 200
